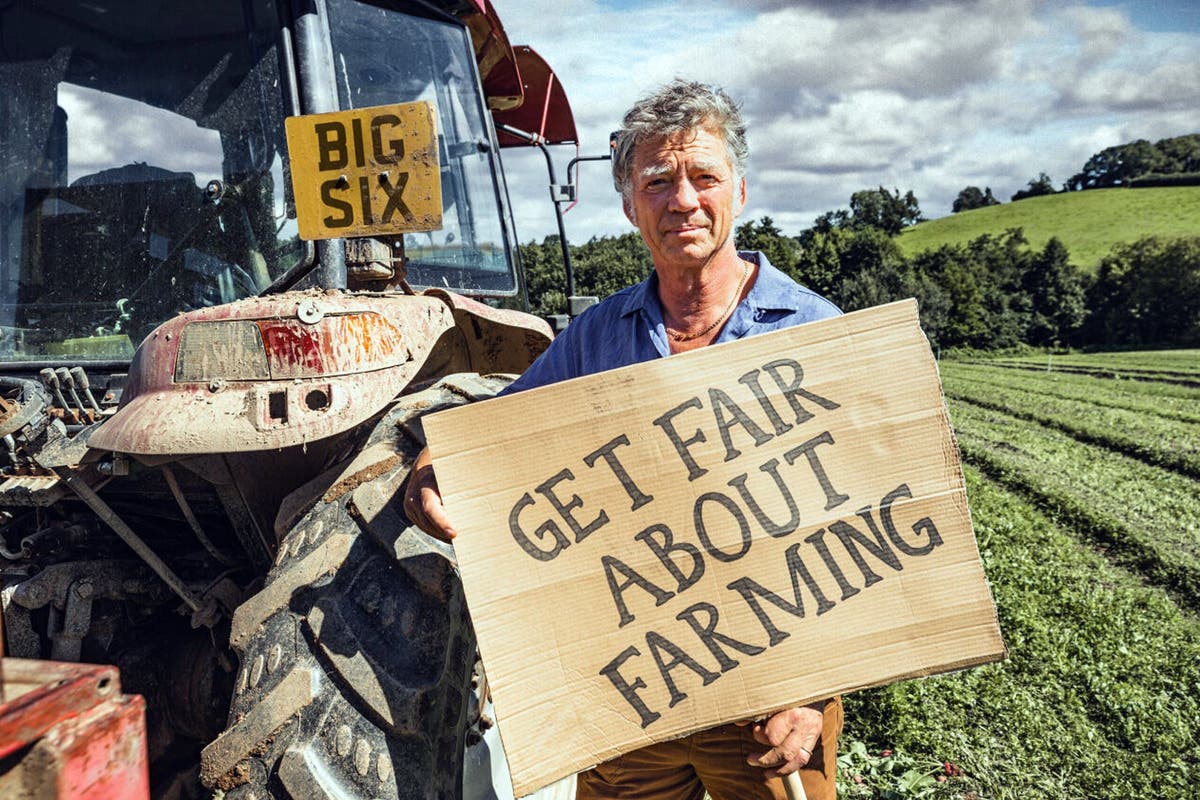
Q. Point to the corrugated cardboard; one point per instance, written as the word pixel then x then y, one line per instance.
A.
pixel 662 548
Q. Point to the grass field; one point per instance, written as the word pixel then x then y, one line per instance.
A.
pixel 1087 510
pixel 1088 223
pixel 1099 416
pixel 1181 366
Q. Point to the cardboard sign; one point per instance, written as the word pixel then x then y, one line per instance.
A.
pixel 711 537
pixel 365 172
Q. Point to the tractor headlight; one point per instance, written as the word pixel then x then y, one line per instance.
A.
pixel 286 349
pixel 232 350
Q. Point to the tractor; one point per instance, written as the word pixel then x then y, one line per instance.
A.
pixel 207 418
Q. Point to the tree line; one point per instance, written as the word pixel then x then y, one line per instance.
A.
pixel 993 292
pixel 1167 162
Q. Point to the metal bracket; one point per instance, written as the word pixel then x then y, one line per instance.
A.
pixel 67 642
pixel 136 543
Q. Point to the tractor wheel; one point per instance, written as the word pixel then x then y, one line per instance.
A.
pixel 356 656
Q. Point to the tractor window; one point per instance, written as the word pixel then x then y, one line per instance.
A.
pixel 382 57
pixel 141 169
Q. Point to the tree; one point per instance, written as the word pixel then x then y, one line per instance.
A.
pixel 830 220
pixel 1001 264
pixel 782 251
pixel 890 212
pixel 1037 187
pixel 1117 166
pixel 602 265
pixel 1180 154
pixel 1147 293
pixel 1056 296
pixel 545 277
pixel 971 198
pixel 819 266
pixel 949 274
pixel 972 294
pixel 855 268
pixel 607 264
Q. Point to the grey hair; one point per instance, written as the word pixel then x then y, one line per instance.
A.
pixel 679 107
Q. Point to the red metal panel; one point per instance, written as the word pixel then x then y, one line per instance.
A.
pixel 100 754
pixel 546 110
pixel 81 738
pixel 494 54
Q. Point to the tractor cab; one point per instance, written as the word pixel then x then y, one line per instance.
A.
pixel 145 167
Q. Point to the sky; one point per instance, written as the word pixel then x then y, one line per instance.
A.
pixel 840 95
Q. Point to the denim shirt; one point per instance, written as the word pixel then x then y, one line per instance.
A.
pixel 627 327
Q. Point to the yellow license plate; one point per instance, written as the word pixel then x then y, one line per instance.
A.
pixel 366 172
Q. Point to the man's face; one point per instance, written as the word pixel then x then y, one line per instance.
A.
pixel 684 198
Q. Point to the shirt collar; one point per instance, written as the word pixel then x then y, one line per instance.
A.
pixel 642 295
pixel 771 288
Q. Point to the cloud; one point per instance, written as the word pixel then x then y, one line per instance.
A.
pixel 1101 33
pixel 1170 86
pixel 852 7
pixel 912 50
pixel 106 131
pixel 928 96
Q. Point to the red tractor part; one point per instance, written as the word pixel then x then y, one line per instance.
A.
pixel 545 110
pixel 67 733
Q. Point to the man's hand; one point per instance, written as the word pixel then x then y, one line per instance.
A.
pixel 791 734
pixel 423 500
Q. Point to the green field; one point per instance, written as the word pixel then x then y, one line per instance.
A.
pixel 1181 366
pixel 1088 223
pixel 1104 416
pixel 1162 398
pixel 1086 505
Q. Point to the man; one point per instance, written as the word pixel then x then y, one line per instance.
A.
pixel 680 166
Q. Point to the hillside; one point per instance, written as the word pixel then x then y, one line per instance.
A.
pixel 1088 223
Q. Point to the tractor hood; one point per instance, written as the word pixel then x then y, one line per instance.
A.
pixel 273 372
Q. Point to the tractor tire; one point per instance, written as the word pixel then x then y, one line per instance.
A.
pixel 356 656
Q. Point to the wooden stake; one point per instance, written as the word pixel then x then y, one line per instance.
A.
pixel 793 787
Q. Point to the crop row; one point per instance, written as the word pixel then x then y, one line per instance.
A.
pixel 1176 362
pixel 1170 443
pixel 1147 517
pixel 1103 672
pixel 1184 379
pixel 1146 397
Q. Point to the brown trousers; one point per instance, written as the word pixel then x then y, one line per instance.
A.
pixel 712 760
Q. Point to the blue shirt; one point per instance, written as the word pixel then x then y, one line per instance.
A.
pixel 628 328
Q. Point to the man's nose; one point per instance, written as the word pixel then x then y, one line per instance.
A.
pixel 684 196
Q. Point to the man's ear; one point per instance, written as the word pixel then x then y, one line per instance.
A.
pixel 739 198
pixel 628 208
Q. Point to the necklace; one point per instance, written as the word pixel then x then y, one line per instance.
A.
pixel 687 337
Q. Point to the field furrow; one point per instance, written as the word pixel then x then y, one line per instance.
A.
pixel 1173 362
pixel 1170 443
pixel 1103 672
pixel 1147 517
pixel 1163 376
pixel 1152 398
pixel 1085 495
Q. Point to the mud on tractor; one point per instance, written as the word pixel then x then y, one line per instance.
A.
pixel 217 511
